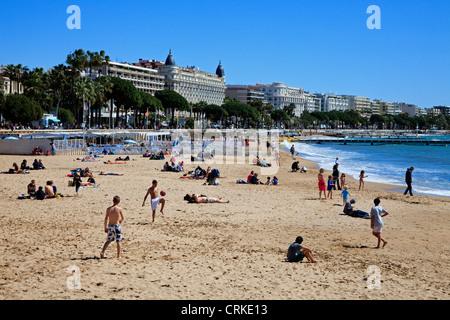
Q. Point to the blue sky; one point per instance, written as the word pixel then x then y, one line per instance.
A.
pixel 318 45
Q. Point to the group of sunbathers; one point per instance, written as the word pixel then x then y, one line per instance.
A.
pixel 50 191
pixel 253 178
pixel 24 168
pixel 152 156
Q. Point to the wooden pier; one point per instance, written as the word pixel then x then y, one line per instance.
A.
pixel 377 140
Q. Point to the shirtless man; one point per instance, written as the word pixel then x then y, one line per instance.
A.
pixel 49 190
pixel 113 219
pixel 155 199
pixel 203 199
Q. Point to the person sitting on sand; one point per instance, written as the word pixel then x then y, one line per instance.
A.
pixel 40 194
pixel 295 166
pixel 24 165
pixel 255 180
pixel 31 188
pixel 91 179
pixel 167 167
pixel 268 182
pixel 250 176
pixel 17 169
pixel 275 181
pixel 198 198
pixel 296 252
pixel 36 164
pixel 49 192
pixel 41 165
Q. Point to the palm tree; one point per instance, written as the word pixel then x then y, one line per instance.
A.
pixel 15 73
pixel 96 60
pixel 103 87
pixel 85 94
pixel 59 82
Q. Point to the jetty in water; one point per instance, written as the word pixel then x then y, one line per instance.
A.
pixel 378 140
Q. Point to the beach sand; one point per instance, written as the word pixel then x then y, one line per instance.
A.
pixel 215 251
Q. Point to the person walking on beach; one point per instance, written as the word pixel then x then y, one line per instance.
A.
pixel 113 219
pixel 361 179
pixel 296 252
pixel 155 199
pixel 408 180
pixel 292 150
pixel 322 186
pixel 336 177
pixel 376 221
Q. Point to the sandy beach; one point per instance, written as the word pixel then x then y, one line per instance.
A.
pixel 215 251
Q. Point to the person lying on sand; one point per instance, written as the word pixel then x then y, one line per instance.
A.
pixel 197 198
pixel 102 173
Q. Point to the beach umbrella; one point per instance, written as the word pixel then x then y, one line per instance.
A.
pixel 130 141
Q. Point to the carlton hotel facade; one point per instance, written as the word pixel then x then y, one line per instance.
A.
pixel 151 75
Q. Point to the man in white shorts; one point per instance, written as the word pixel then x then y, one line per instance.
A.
pixel 376 221
pixel 155 199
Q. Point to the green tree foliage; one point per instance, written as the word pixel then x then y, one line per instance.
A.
pixel 20 109
pixel 173 101
pixel 66 116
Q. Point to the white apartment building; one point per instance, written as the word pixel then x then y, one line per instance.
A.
pixel 144 79
pixel 245 93
pixel 410 109
pixel 361 104
pixel 312 102
pixel 193 84
pixel 332 102
pixel 382 107
pixel 280 95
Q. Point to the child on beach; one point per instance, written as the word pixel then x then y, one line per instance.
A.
pixel 113 219
pixel 345 195
pixel 342 180
pixel 330 187
pixel 155 199
pixel 322 186
pixel 361 179
pixel 296 252
pixel 376 221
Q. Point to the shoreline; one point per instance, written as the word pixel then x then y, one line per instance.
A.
pixel 397 188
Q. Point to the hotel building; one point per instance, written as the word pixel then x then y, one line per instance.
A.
pixel 192 83
pixel 245 93
pixel 143 78
pixel 332 102
pixel 280 95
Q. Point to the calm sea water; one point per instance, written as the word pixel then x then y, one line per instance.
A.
pixel 387 163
